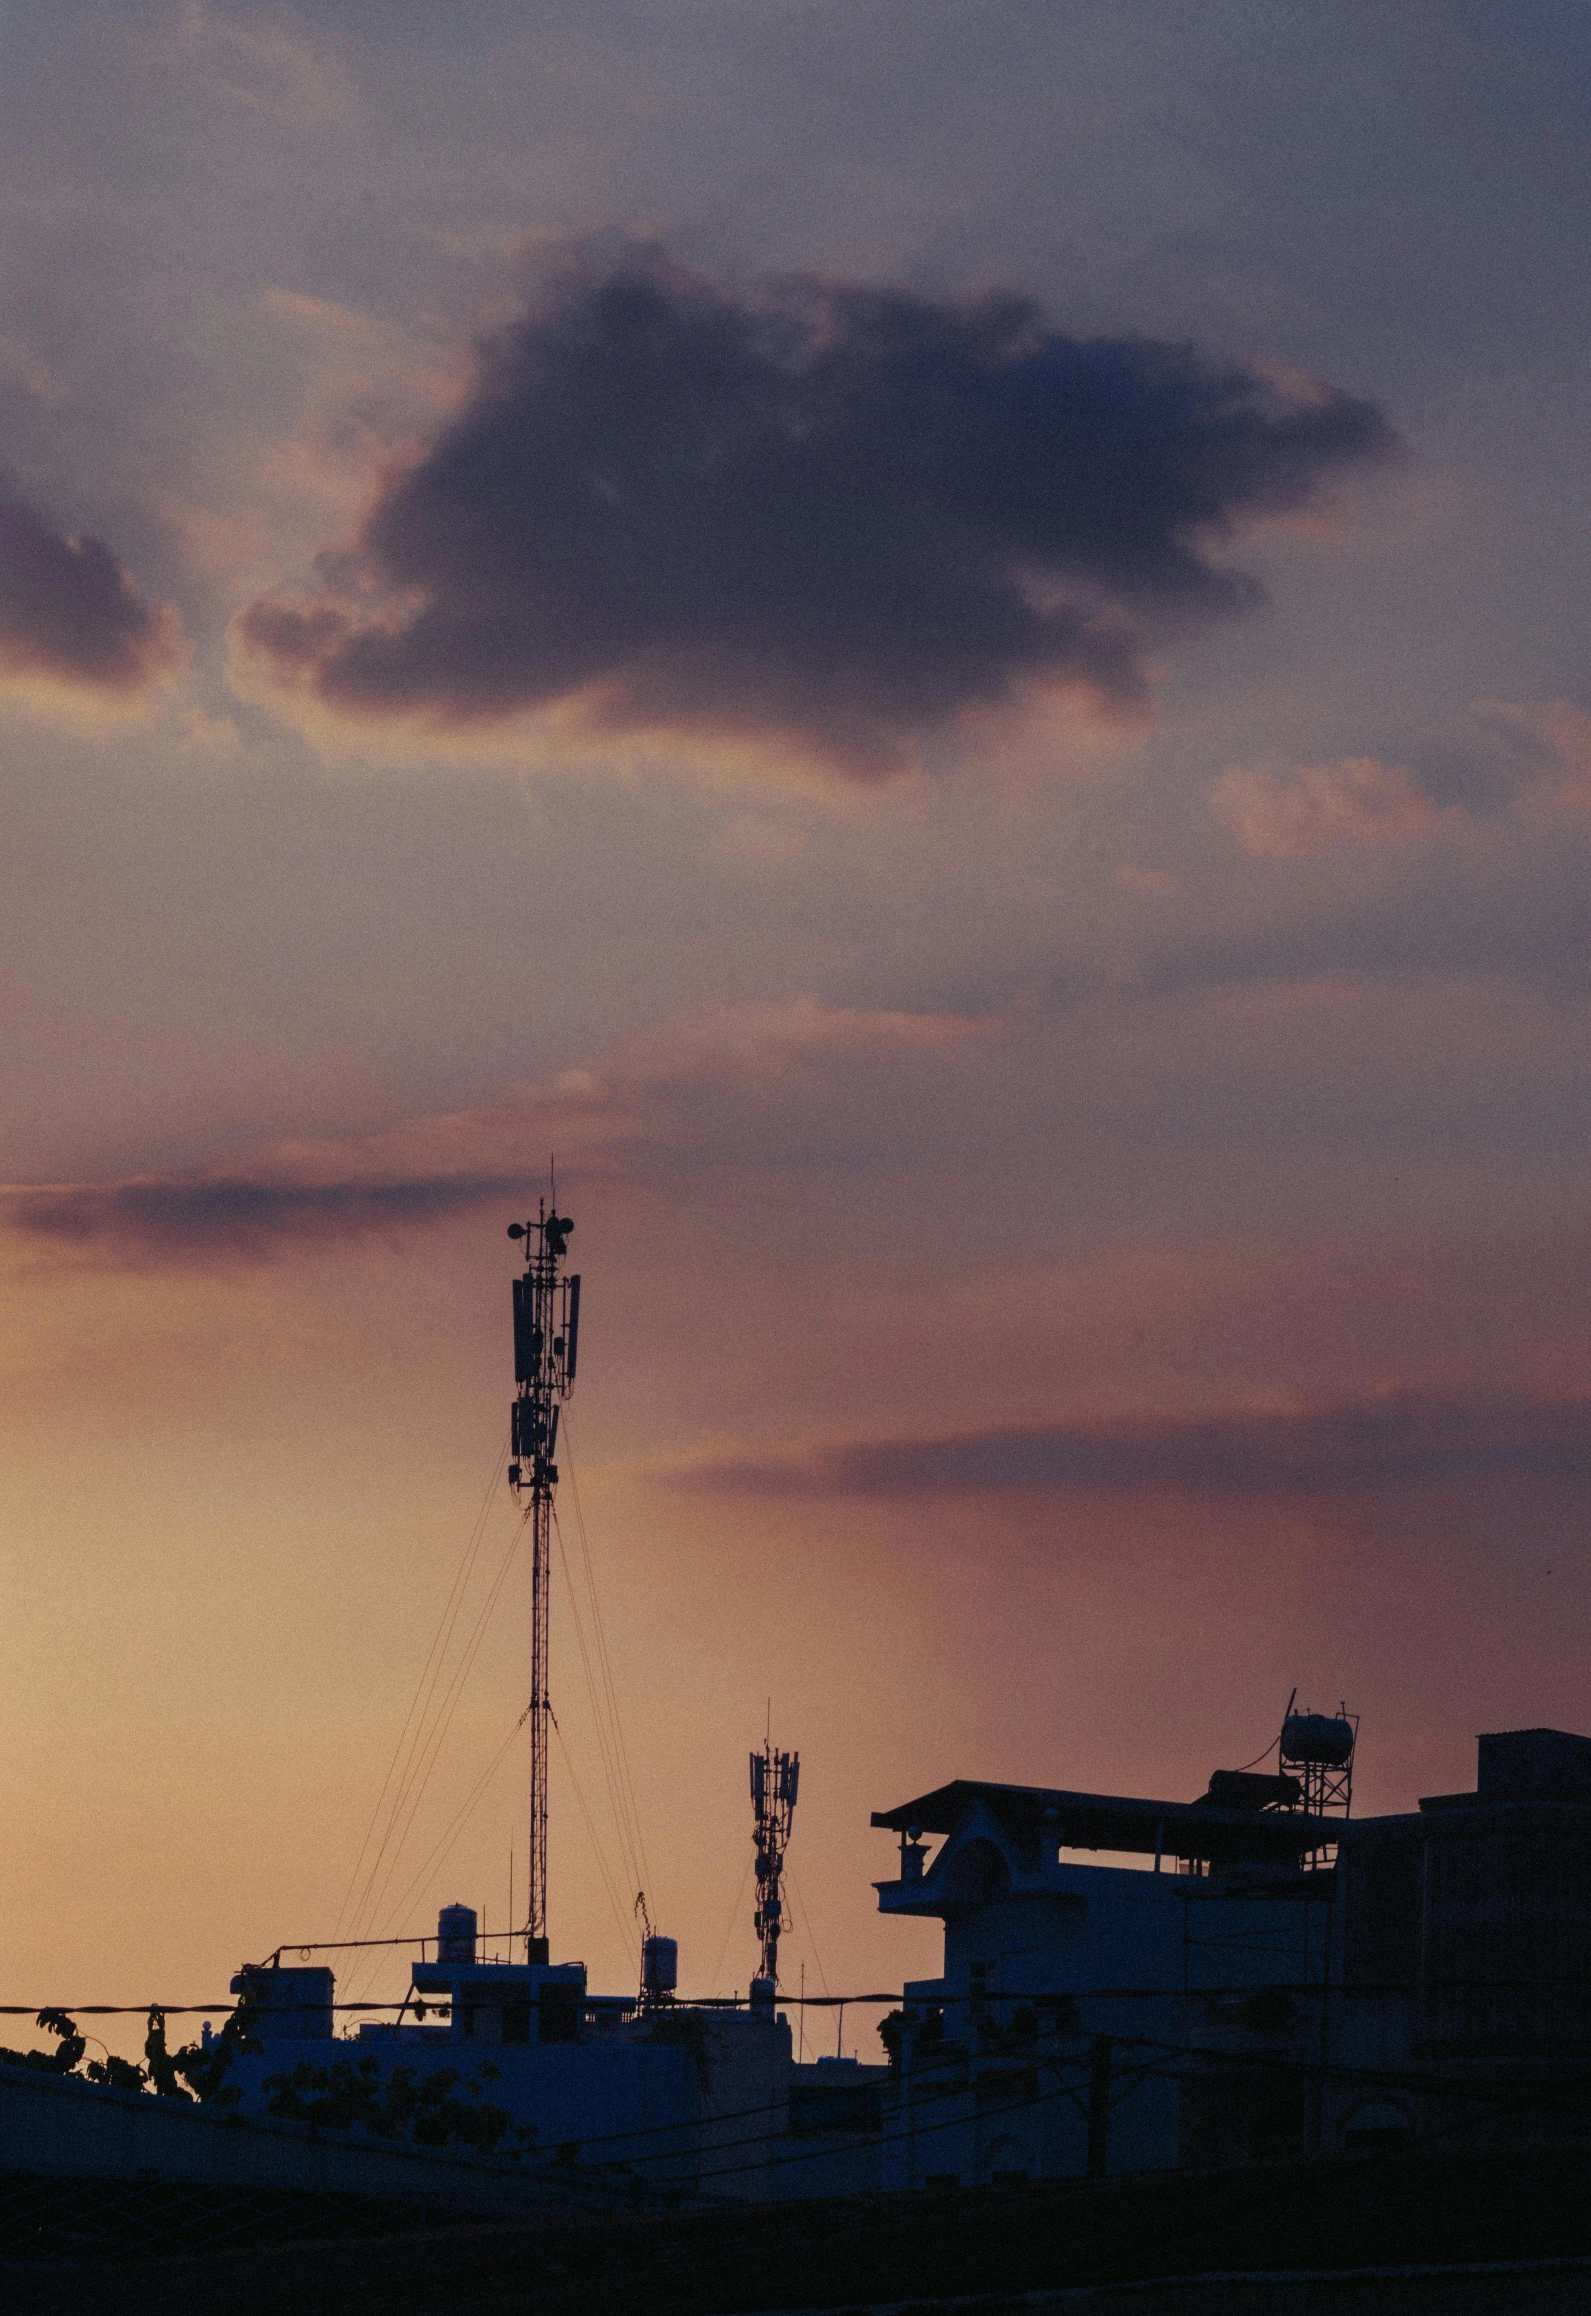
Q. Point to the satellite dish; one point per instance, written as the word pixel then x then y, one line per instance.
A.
pixel 516 1230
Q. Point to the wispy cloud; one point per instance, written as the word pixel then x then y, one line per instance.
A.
pixel 1356 800
pixel 1379 1442
pixel 1502 769
pixel 725 1095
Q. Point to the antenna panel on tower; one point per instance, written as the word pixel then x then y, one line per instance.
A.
pixel 526 1347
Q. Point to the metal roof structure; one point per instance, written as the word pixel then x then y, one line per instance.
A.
pixel 1110 1821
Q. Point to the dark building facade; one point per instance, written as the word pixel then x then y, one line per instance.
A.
pixel 1264 1983
pixel 1464 1993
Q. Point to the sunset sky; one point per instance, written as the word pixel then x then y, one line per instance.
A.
pixel 945 643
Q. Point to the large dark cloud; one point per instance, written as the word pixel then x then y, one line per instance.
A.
pixel 1379 1442
pixel 164 1219
pixel 70 611
pixel 836 513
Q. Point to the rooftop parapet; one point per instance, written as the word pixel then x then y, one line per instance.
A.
pixel 1515 1765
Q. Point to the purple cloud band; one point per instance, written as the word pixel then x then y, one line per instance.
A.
pixel 169 1218
pixel 1354 1444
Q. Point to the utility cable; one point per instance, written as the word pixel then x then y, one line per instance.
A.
pixel 420 1754
pixel 1371 2078
pixel 436 1735
pixel 1159 2051
pixel 875 1999
pixel 626 1929
pixel 445 1846
pixel 436 1650
pixel 435 1702
pixel 443 1721
pixel 806 1916
pixel 629 1856
pixel 1259 1757
pixel 740 1895
pixel 610 1686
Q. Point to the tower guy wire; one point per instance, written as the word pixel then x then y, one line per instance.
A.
pixel 410 1736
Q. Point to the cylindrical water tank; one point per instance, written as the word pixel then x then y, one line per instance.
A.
pixel 659 1965
pixel 1318 1737
pixel 455 1934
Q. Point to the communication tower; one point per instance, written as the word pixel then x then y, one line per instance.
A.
pixel 546 1343
pixel 774 1779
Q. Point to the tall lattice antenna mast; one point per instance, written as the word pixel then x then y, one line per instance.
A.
pixel 546 1341
pixel 774 1779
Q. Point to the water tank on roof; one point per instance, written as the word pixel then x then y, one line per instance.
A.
pixel 455 1934
pixel 659 1965
pixel 1318 1737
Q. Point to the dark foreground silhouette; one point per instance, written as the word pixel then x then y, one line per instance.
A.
pixel 1304 2225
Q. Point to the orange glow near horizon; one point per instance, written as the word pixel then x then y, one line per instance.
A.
pixel 959 673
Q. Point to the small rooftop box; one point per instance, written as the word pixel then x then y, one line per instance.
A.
pixel 1534 1765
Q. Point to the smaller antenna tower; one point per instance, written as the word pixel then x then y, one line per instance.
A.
pixel 774 1779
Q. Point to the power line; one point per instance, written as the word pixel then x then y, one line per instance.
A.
pixel 745 1877
pixel 625 1928
pixel 424 1686
pixel 1314 1986
pixel 610 1686
pixel 443 1722
pixel 629 1855
pixel 1452 2085
pixel 1498 2100
pixel 806 1916
pixel 430 1729
pixel 444 1847
pixel 1158 2062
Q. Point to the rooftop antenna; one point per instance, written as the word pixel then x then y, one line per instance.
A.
pixel 774 1780
pixel 546 1343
